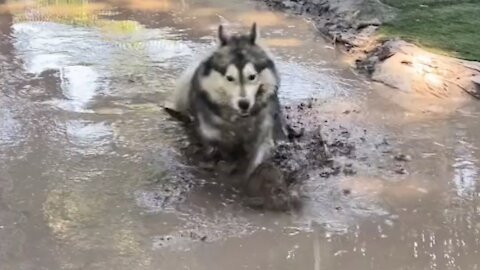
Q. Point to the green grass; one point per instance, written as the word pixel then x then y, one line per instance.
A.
pixel 451 27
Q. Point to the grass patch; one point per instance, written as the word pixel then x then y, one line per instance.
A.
pixel 451 27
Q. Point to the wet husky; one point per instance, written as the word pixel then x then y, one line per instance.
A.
pixel 231 98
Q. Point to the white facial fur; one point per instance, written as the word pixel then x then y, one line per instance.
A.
pixel 251 84
pixel 228 90
pixel 214 84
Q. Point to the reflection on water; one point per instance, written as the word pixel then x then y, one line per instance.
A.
pixel 46 46
pixel 262 18
pixel 87 59
pixel 89 139
pixel 466 170
pixel 302 81
pixel 284 42
pixel 66 50
pixel 76 12
pixel 9 127
pixel 91 175
pixel 79 85
pixel 151 5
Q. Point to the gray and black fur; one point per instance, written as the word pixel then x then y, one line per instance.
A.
pixel 232 99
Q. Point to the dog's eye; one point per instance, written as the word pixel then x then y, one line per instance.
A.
pixel 230 78
pixel 252 77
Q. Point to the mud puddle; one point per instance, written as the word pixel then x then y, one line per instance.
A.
pixel 92 174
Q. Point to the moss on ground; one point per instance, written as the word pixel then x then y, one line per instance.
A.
pixel 451 27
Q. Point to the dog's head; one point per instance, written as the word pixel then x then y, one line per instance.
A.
pixel 239 73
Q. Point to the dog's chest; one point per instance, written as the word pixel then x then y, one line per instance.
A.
pixel 240 129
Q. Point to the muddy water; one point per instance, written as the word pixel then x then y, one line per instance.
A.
pixel 91 175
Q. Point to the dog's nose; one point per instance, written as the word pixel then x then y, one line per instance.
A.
pixel 243 104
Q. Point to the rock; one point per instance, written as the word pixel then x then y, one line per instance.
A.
pixel 364 23
pixel 384 52
pixel 349 171
pixel 293 133
pixel 400 170
pixel 476 80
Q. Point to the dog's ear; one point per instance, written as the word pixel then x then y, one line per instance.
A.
pixel 253 33
pixel 222 38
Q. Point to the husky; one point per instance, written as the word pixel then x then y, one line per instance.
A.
pixel 231 97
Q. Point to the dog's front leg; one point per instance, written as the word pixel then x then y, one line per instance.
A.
pixel 261 152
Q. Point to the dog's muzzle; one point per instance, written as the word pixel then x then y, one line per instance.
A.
pixel 244 107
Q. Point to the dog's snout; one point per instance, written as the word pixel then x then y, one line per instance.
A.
pixel 244 104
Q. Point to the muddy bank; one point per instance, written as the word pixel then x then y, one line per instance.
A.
pixel 352 23
pixel 395 63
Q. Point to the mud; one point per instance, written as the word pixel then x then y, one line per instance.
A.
pixel 267 189
pixel 316 147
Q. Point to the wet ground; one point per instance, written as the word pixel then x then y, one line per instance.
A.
pixel 92 174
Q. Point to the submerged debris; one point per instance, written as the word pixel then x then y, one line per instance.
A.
pixel 402 157
pixel 400 170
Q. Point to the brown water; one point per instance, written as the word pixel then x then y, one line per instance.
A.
pixel 91 176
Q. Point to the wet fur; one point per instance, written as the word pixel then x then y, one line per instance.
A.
pixel 208 100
